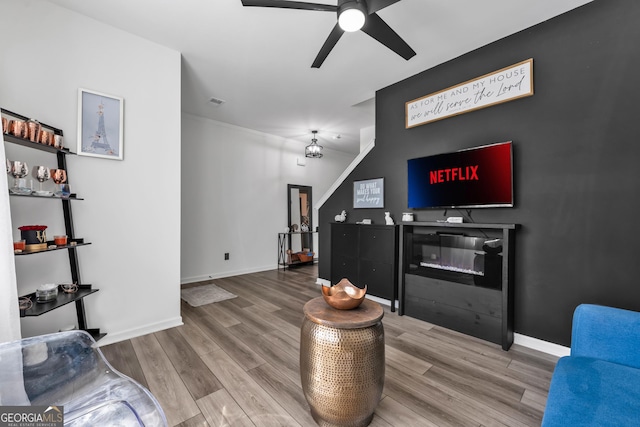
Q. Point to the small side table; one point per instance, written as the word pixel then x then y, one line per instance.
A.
pixel 342 362
pixel 284 243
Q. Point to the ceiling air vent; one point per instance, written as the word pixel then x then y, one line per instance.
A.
pixel 216 101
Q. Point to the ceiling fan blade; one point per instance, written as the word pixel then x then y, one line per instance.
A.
pixel 331 41
pixel 376 5
pixel 379 30
pixel 283 4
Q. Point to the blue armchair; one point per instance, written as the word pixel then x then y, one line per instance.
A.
pixel 66 369
pixel 599 383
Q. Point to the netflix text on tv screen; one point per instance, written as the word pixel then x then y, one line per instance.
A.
pixel 477 177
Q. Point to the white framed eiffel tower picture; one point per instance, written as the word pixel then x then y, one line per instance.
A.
pixel 100 125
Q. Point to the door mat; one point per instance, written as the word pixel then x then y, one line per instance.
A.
pixel 205 294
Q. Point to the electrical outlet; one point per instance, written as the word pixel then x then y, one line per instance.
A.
pixel 226 256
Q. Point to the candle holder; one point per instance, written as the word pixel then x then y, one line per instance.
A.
pixel 62 190
pixel 19 170
pixel 42 174
pixel 20 245
pixel 47 292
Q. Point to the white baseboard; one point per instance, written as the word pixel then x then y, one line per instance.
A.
pixel 379 300
pixel 541 345
pixel 523 340
pixel 323 282
pixel 112 338
pixel 194 279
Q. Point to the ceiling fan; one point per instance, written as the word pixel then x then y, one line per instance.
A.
pixel 353 15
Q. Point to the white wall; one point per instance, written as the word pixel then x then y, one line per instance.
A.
pixel 234 195
pixel 366 136
pixel 131 211
pixel 9 315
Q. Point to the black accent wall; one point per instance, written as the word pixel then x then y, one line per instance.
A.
pixel 576 161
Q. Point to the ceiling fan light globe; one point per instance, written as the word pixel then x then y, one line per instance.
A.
pixel 351 19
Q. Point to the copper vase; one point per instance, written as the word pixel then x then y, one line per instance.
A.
pixel 46 137
pixel 18 128
pixel 59 176
pixel 58 141
pixel 33 130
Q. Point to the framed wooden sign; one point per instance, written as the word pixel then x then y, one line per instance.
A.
pixel 507 84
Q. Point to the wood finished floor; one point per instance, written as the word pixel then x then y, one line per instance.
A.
pixel 235 363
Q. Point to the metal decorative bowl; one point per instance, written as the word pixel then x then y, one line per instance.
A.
pixel 344 295
pixel 69 288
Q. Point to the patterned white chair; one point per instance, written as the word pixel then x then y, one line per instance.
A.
pixel 67 370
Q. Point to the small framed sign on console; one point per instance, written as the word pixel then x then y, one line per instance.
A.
pixel 368 193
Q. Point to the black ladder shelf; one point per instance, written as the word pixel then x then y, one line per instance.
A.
pixel 84 290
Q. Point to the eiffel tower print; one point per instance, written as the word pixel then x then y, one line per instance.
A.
pixel 99 140
pixel 100 130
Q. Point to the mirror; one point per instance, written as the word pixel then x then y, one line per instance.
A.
pixel 299 218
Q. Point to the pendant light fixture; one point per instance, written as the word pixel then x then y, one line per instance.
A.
pixel 313 150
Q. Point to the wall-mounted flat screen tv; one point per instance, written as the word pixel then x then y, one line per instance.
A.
pixel 476 177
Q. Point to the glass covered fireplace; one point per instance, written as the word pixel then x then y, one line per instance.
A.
pixel 460 258
pixel 459 276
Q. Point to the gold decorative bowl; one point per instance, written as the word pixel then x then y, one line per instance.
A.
pixel 344 295
pixel 69 288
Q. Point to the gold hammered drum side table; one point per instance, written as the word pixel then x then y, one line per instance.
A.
pixel 342 362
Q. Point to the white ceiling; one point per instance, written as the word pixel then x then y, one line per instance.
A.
pixel 259 59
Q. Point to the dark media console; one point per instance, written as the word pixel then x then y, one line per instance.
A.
pixel 366 255
pixel 459 276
